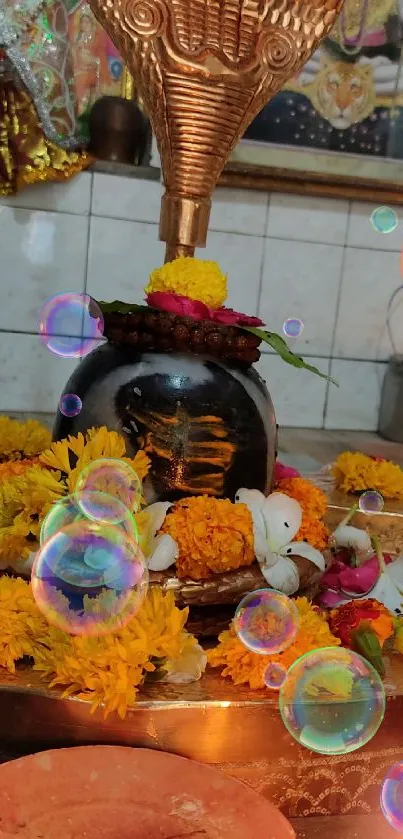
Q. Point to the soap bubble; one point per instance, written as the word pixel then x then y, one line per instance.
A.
pixel 113 477
pixel 333 701
pixel 96 506
pixel 71 324
pixel 292 327
pixel 266 621
pixel 392 797
pixel 89 578
pixel 371 502
pixel 275 675
pixel 70 405
pixel 384 220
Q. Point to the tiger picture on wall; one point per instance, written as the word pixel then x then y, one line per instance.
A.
pixel 349 96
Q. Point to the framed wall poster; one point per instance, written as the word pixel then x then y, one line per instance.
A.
pixel 98 69
pixel 336 129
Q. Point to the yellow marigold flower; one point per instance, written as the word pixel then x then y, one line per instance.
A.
pixel 357 472
pixel 19 440
pixel 245 667
pixel 313 503
pixel 195 278
pixel 24 501
pixel 72 455
pixel 213 535
pixel 105 670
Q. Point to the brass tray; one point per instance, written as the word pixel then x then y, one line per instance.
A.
pixel 213 721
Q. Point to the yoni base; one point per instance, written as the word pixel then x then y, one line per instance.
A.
pixel 238 730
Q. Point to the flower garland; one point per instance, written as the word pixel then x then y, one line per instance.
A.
pixel 356 472
pixel 109 670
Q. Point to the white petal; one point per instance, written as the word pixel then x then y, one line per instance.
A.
pixel 347 536
pixel 163 553
pixel 156 514
pixel 395 572
pixel 387 593
pixel 306 550
pixel 283 575
pixel 282 516
pixel 189 667
pixel 254 500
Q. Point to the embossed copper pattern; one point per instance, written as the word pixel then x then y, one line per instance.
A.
pixel 204 69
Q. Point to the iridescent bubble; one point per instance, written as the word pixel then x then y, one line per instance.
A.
pixel 292 327
pixel 112 476
pixel 89 578
pixel 266 621
pixel 71 324
pixel 98 506
pixel 333 701
pixel 392 797
pixel 384 220
pixel 275 675
pixel 371 502
pixel 70 405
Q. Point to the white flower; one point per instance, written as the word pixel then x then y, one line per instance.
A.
pixel 160 551
pixel 188 667
pixel 276 521
pixel 346 536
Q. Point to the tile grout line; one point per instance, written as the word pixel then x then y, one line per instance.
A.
pixel 90 216
pixel 337 312
pixel 263 257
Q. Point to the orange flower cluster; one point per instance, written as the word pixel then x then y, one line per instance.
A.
pixel 245 667
pixel 357 472
pixel 213 536
pixel 314 506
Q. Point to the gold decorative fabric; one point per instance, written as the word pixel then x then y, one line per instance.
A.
pixel 26 155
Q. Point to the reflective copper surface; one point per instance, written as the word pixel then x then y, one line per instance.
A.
pixel 204 69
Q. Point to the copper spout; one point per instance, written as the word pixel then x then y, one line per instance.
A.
pixel 204 69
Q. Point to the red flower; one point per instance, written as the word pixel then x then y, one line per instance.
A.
pixel 178 304
pixel 283 472
pixel 360 614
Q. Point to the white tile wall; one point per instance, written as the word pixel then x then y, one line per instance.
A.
pixel 286 256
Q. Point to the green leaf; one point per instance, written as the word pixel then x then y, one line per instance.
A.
pixel 122 308
pixel 280 346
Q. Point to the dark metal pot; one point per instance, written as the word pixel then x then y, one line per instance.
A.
pixel 207 426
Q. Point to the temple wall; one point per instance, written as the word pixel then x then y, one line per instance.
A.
pixel 286 256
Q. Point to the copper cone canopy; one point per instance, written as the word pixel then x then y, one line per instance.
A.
pixel 204 69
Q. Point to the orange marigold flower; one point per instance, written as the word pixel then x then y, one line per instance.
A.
pixel 359 614
pixel 313 502
pixel 245 667
pixel 213 536
pixel 357 472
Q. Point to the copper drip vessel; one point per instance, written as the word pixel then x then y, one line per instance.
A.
pixel 204 69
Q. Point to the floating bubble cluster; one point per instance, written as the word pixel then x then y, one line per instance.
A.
pixel 384 220
pixel 71 324
pixel 98 507
pixel 266 621
pixel 113 477
pixel 392 797
pixel 275 675
pixel 89 578
pixel 371 502
pixel 70 405
pixel 293 327
pixel 333 701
